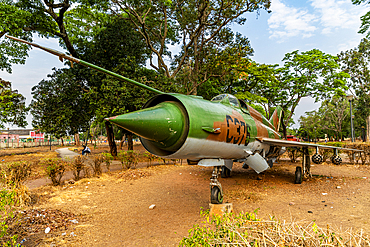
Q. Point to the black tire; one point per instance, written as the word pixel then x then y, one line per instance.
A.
pixel 298 175
pixel 225 172
pixel 270 163
pixel 216 196
pixel 317 158
pixel 336 160
pixel 228 172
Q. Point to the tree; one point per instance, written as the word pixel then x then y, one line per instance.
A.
pixel 256 83
pixel 200 28
pixel 356 62
pixel 333 114
pixel 312 73
pixel 365 19
pixel 59 105
pixel 13 109
pixel 116 47
pixel 309 122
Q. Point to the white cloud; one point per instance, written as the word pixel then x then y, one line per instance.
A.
pixel 336 14
pixel 349 44
pixel 288 21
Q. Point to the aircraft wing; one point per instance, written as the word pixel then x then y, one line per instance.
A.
pixel 285 143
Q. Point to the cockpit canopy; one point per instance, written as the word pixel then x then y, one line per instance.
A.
pixel 226 98
pixel 229 99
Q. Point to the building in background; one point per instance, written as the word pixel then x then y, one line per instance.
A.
pixel 21 134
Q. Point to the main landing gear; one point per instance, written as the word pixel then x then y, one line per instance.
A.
pixel 217 195
pixel 305 170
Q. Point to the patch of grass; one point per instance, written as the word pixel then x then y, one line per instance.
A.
pixel 246 229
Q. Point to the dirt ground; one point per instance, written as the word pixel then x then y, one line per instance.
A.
pixel 113 210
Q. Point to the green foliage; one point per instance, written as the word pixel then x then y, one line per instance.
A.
pixel 13 108
pixel 151 157
pixel 107 159
pixel 335 144
pixel 365 19
pixel 200 28
pixel 24 18
pixel 12 21
pixel 225 229
pixel 54 168
pixel 59 105
pixel 332 118
pixel 128 159
pixel 311 73
pixel 7 203
pixel 356 62
pixel 301 76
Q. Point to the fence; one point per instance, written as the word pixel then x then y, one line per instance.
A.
pixel 27 143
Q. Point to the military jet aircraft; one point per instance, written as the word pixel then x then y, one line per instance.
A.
pixel 211 133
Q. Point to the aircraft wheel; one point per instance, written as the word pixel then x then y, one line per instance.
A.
pixel 317 158
pixel 270 163
pixel 298 175
pixel 225 172
pixel 336 160
pixel 216 196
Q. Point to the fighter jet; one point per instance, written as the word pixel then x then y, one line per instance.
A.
pixel 213 133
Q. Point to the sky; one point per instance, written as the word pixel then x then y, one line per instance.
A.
pixel 330 26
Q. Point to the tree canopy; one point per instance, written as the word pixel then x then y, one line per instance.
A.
pixel 59 105
pixel 200 28
pixel 13 108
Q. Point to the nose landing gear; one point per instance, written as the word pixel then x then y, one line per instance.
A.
pixel 217 195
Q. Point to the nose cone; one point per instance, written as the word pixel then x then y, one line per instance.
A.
pixel 163 123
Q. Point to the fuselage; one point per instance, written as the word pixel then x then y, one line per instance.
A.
pixel 224 127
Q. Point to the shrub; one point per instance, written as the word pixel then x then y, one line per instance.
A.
pixel 363 156
pixel 151 157
pixel 7 203
pixel 12 176
pixel 15 173
pixel 107 159
pixel 78 165
pixel 128 159
pixel 55 169
pixel 96 164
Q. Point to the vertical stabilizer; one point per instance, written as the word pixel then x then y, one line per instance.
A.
pixel 276 118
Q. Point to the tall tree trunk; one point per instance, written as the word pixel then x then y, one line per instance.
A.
pixel 110 137
pixel 122 141
pixel 368 128
pixel 77 139
pixel 130 143
pixel 62 141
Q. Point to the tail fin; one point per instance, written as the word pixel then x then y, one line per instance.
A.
pixel 276 118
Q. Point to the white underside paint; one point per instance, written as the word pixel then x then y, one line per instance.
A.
pixel 197 149
pixel 216 162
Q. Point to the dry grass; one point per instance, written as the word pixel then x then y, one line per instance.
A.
pixel 248 230
pixel 275 233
